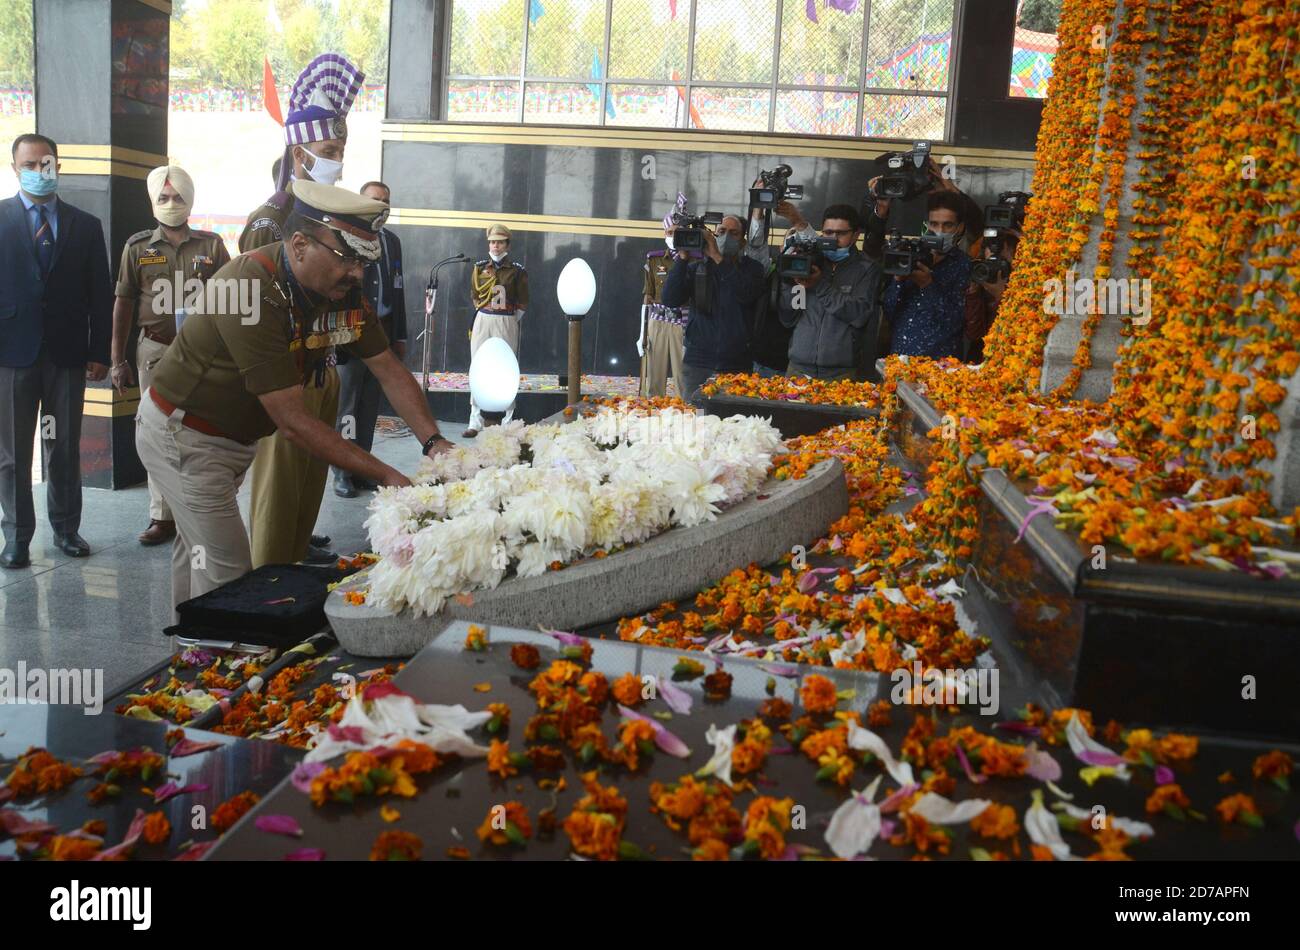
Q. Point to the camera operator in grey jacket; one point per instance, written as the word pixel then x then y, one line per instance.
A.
pixel 831 307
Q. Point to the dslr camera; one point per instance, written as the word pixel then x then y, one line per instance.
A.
pixel 1009 212
pixel 902 254
pixel 801 255
pixel 775 188
pixel 990 270
pixel 905 174
pixel 688 229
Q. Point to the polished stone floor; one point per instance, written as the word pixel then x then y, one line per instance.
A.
pixel 108 610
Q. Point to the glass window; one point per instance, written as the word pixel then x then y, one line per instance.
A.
pixel 660 107
pixel 910 45
pixel 827 52
pixel 482 100
pixel 487 38
pixel 733 40
pixel 904 117
pixel 732 109
pixel 1034 48
pixel 817 111
pixel 649 40
pixel 566 38
pixel 562 103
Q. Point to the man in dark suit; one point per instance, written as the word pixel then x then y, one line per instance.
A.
pixel 56 305
pixel 358 388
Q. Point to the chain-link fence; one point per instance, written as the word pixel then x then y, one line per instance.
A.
pixel 878 68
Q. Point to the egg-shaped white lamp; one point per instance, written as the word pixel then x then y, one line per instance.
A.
pixel 494 376
pixel 576 288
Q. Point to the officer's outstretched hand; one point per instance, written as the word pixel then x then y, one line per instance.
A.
pixel 394 479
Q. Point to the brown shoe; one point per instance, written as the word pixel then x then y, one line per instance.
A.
pixel 470 433
pixel 157 532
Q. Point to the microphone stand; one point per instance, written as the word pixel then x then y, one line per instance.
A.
pixel 430 302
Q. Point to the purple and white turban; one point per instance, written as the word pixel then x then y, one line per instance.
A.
pixel 320 99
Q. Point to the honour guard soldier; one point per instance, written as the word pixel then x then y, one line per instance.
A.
pixel 499 287
pixel 664 329
pixel 288 483
pixel 156 265
pixel 230 379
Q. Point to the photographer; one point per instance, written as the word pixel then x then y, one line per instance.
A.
pixel 984 297
pixel 722 291
pixel 927 307
pixel 836 300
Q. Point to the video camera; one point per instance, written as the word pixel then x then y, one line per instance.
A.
pixel 802 254
pixel 905 174
pixel 775 188
pixel 688 229
pixel 902 254
pixel 1009 212
pixel 990 270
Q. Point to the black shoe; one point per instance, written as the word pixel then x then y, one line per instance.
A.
pixel 320 540
pixel 345 489
pixel 15 554
pixel 73 545
pixel 319 555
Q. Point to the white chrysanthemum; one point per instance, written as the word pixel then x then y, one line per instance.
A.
pixel 694 493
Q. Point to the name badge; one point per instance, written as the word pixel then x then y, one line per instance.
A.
pixel 157 259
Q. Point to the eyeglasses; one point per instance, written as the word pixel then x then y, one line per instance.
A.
pixel 347 259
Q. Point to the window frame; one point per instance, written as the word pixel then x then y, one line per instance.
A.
pixel 688 83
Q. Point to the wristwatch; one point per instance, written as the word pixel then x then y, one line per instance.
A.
pixel 432 440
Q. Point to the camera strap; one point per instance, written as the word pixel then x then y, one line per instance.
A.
pixel 701 293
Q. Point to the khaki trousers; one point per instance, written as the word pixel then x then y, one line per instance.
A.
pixel 289 483
pixel 665 352
pixel 147 354
pixel 198 477
pixel 488 326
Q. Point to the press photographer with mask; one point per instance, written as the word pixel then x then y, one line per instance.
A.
pixel 722 291
pixel 983 297
pixel 830 309
pixel 927 307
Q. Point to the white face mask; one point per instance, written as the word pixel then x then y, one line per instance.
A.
pixel 669 241
pixel 324 170
pixel 497 258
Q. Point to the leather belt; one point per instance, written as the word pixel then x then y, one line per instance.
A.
pixel 156 337
pixel 191 421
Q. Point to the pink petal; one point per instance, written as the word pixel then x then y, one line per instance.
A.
pixel 892 803
pixel 347 734
pixel 664 739
pixel 303 773
pixel 190 747
pixel 171 790
pixel 103 758
pixel 1042 765
pixel 887 827
pixel 807 583
pixel 678 700
pixel 305 854
pixel 965 764
pixel 6 793
pixel 195 852
pixel 1024 728
pixel 777 669
pixel 15 823
pixel 218 692
pixel 133 834
pixel 278 825
pixel 565 638
pixel 1296 829
pixel 1093 757
pixel 380 690
pixel 1164 775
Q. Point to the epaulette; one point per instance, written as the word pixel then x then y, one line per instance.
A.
pixel 279 200
pixel 483 263
pixel 663 253
pixel 139 236
pixel 520 266
pixel 206 234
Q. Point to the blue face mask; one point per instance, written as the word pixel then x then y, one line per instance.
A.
pixel 839 254
pixel 34 183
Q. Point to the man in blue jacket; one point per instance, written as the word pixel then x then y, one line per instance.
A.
pixel 722 291
pixel 56 306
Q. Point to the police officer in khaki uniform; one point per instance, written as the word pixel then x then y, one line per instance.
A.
pixel 664 328
pixel 230 379
pixel 151 293
pixel 499 293
pixel 288 483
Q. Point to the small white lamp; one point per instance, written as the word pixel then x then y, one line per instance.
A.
pixel 494 376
